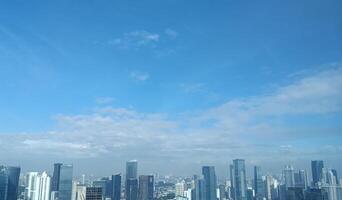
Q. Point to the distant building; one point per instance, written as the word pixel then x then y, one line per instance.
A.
pixel 180 188
pixel 301 179
pixel 88 193
pixel 116 187
pixel 199 191
pixel 259 187
pixel 240 183
pixel 316 169
pixel 55 177
pixel 131 189
pixel 9 182
pixel 288 174
pixel 146 187
pixel 210 183
pixel 38 186
pixel 64 181
pixel 295 193
pixel 132 169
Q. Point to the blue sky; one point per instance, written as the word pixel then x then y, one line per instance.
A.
pixel 63 62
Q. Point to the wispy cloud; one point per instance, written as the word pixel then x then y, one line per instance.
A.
pixel 171 33
pixel 139 76
pixel 136 39
pixel 192 87
pixel 104 100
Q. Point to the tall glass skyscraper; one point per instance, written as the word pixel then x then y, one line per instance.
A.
pixel 146 187
pixel 55 177
pixel 9 181
pixel 132 169
pixel 65 182
pixel 289 176
pixel 258 183
pixel 209 175
pixel 240 184
pixel 116 184
pixel 316 169
pixel 131 183
pixel 199 192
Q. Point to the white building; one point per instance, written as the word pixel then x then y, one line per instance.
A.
pixel 180 189
pixel 38 186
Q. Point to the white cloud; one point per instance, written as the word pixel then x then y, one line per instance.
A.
pixel 252 128
pixel 139 76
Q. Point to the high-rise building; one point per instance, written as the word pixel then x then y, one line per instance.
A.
pixel 131 178
pixel 258 183
pixel 116 183
pixel 132 169
pixel 131 189
pixel 316 169
pixel 65 182
pixel 102 184
pixel 232 183
pixel 146 187
pixel 240 183
pixel 288 174
pixel 180 188
pixel 31 191
pixel 9 182
pixel 199 191
pixel 55 177
pixel 43 186
pixel 334 171
pixel 301 179
pixel 268 187
pixel 209 175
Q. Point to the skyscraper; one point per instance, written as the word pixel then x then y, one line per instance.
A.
pixel 131 189
pixel 258 183
pixel 31 191
pixel 316 169
pixel 9 181
pixel 209 175
pixel 301 179
pixel 65 182
pixel 44 186
pixel 240 184
pixel 38 186
pixel 288 173
pixel 199 193
pixel 116 183
pixel 334 171
pixel 55 177
pixel 146 187
pixel 132 169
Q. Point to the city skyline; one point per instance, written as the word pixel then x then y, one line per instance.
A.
pixel 176 85
pixel 292 184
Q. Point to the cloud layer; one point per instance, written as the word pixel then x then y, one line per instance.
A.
pixel 257 128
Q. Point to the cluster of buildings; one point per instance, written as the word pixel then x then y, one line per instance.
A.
pixel 291 184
